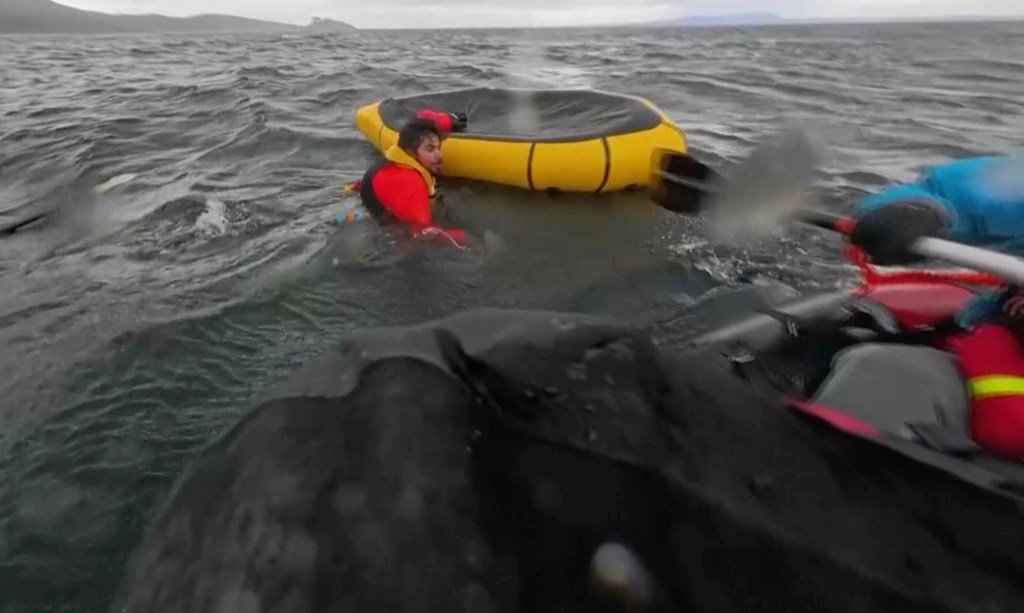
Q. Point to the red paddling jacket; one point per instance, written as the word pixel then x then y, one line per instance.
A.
pixel 992 360
pixel 401 189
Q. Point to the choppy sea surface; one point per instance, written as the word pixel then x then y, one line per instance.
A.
pixel 138 324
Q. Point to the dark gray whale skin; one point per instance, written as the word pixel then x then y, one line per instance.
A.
pixel 477 463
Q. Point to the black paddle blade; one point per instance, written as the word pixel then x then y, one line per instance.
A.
pixel 680 183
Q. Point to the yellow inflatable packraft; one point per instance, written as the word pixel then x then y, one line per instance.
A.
pixel 566 140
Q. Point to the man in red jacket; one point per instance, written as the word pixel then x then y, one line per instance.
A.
pixel 402 187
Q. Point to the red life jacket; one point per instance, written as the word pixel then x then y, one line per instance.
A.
pixel 399 189
pixel 992 360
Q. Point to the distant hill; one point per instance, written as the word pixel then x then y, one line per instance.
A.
pixel 769 19
pixel 46 17
pixel 738 19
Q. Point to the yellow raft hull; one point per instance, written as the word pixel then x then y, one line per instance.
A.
pixel 593 165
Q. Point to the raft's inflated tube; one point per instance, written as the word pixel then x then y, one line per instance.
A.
pixel 567 140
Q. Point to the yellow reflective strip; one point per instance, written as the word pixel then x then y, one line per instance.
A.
pixel 996 385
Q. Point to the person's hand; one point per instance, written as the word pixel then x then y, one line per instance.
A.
pixel 459 122
pixel 886 233
pixel 445 122
pixel 1013 307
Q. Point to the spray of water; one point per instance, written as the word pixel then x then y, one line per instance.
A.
pixel 771 184
pixel 524 118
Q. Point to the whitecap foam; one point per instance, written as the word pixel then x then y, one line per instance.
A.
pixel 213 220
pixel 114 182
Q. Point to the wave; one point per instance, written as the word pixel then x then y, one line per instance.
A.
pixel 217 270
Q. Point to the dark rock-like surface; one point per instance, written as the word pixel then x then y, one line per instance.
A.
pixel 501 461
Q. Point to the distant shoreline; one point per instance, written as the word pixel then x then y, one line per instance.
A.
pixel 675 26
pixel 782 24
pixel 637 26
pixel 105 24
pixel 45 17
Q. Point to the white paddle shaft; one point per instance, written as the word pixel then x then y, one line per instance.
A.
pixel 1001 265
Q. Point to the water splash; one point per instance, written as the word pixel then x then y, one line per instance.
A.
pixel 770 184
pixel 213 220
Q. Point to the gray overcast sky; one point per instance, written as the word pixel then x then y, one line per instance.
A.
pixel 470 13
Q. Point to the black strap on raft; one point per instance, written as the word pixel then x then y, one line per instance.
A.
pixel 800 360
pixel 768 374
pixel 863 325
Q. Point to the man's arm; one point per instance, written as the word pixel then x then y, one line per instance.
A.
pixel 409 201
pixel 980 199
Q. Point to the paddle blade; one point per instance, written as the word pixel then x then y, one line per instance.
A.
pixel 768 187
pixel 680 183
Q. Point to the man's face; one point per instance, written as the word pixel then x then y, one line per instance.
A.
pixel 429 153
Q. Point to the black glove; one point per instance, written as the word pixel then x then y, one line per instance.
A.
pixel 885 233
pixel 459 122
pixel 1012 303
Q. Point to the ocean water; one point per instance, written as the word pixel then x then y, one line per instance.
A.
pixel 139 323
